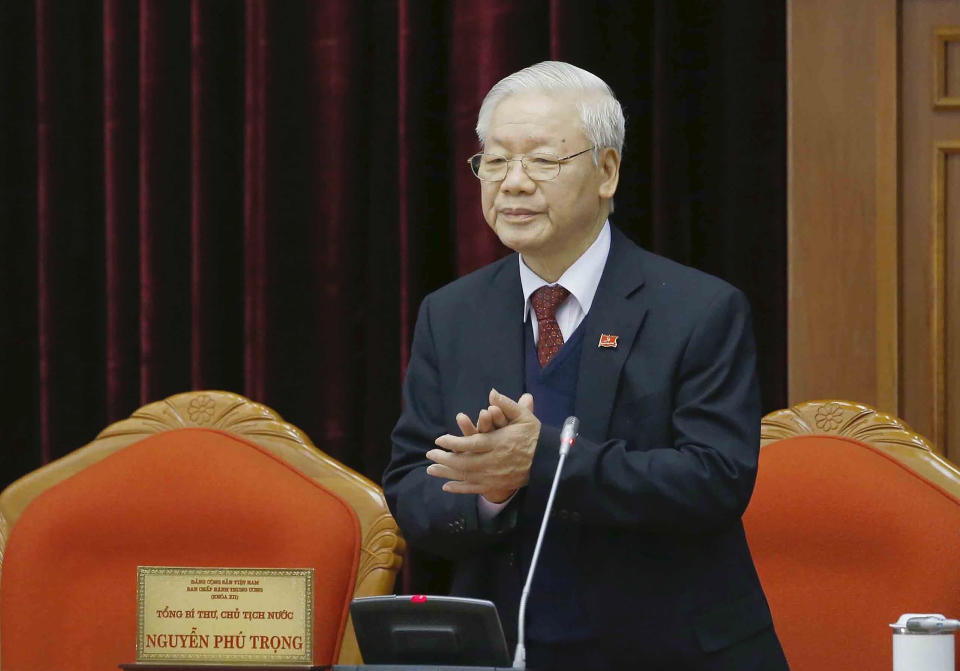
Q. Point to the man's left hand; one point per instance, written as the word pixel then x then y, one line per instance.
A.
pixel 494 461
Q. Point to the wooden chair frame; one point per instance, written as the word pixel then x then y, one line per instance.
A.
pixel 862 422
pixel 381 550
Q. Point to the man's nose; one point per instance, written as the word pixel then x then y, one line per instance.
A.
pixel 517 178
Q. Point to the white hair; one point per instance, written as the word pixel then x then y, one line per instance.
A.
pixel 601 115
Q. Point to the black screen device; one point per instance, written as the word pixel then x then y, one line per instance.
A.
pixel 421 629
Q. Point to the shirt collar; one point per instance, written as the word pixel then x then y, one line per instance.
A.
pixel 580 279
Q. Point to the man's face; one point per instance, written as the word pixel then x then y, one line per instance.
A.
pixel 548 222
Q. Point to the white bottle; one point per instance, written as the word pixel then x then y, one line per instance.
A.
pixel 923 645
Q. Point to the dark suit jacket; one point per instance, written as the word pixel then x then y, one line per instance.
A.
pixel 657 482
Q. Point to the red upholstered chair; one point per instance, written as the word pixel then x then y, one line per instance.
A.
pixel 854 521
pixel 199 479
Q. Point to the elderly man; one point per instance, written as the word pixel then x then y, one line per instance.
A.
pixel 645 564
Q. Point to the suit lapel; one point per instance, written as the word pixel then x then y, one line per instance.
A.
pixel 499 335
pixel 615 311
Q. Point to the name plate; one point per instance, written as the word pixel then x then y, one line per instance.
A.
pixel 224 615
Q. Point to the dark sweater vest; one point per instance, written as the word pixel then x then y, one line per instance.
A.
pixel 554 612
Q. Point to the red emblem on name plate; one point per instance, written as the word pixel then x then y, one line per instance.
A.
pixel 607 340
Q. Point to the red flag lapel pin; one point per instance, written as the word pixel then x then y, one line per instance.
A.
pixel 607 340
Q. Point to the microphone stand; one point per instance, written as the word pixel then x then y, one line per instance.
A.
pixel 568 435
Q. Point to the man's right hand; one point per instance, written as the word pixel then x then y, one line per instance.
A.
pixel 490 419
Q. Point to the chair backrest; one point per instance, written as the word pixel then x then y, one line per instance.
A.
pixel 243 488
pixel 854 521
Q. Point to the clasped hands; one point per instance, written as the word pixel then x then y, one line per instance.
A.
pixel 493 457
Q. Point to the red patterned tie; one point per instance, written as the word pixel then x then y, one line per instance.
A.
pixel 545 301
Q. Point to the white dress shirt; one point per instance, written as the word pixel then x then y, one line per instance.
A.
pixel 581 279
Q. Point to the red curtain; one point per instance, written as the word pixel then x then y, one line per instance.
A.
pixel 256 195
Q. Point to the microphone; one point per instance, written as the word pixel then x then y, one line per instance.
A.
pixel 568 436
pixel 931 624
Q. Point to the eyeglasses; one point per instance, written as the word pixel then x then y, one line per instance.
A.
pixel 539 167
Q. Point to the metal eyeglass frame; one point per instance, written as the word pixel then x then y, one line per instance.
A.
pixel 559 160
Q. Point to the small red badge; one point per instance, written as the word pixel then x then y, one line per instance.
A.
pixel 607 340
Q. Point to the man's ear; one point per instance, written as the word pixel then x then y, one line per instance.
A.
pixel 609 165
